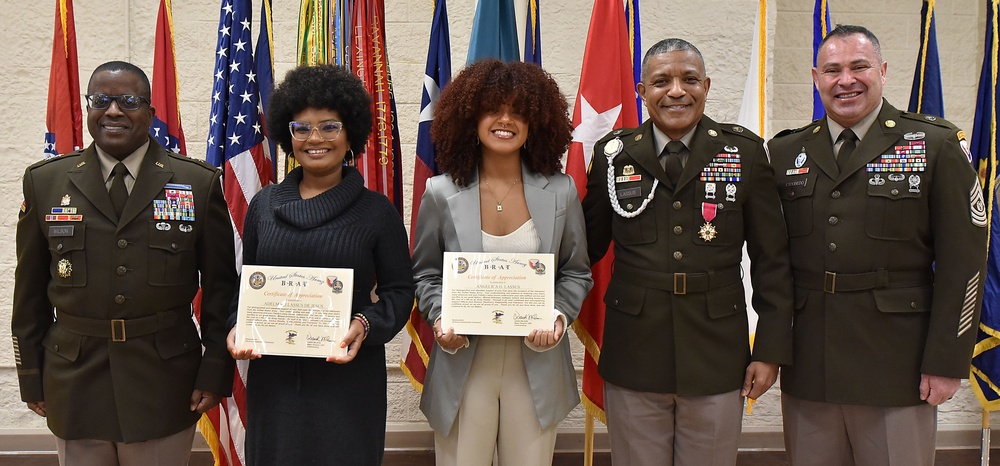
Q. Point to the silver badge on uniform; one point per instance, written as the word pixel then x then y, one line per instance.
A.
pixel 732 149
pixel 876 180
pixel 709 190
pixel 163 226
pixel 914 136
pixel 185 228
pixel 628 170
pixel 914 183
pixel 897 177
pixel 731 192
pixel 613 147
pixel 800 159
pixel 65 200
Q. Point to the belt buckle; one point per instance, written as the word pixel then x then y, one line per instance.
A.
pixel 830 282
pixel 680 283
pixel 115 325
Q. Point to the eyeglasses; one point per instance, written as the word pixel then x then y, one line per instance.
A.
pixel 328 130
pixel 125 101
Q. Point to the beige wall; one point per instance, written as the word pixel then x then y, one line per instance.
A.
pixel 123 29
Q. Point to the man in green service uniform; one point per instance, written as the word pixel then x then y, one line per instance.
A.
pixel 112 245
pixel 886 225
pixel 680 196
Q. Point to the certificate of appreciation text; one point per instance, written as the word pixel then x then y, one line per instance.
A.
pixel 294 311
pixel 497 293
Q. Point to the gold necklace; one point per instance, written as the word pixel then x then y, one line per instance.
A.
pixel 500 200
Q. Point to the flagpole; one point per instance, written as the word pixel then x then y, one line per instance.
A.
pixel 984 448
pixel 588 443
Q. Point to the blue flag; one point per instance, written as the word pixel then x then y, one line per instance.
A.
pixel 437 74
pixel 985 378
pixel 494 32
pixel 264 68
pixel 821 27
pixel 926 95
pixel 533 35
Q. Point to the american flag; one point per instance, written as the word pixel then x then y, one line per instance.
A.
pixel 64 118
pixel 237 143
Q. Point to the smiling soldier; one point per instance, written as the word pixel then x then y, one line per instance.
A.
pixel 113 242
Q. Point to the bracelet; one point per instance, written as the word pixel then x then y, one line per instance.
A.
pixel 364 322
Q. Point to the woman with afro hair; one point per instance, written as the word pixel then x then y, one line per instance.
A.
pixel 500 130
pixel 306 410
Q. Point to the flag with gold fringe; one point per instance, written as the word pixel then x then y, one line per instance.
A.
pixel 985 370
pixel 380 164
pixel 166 127
pixel 821 27
pixel 437 74
pixel 605 101
pixel 64 117
pixel 927 95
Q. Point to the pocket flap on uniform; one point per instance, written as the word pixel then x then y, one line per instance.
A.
pixel 912 299
pixel 792 188
pixel 726 301
pixel 625 297
pixel 62 342
pixel 178 339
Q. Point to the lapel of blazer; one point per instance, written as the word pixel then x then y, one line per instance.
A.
pixel 704 146
pixel 541 206
pixel 819 148
pixel 879 137
pixel 642 149
pixel 464 209
pixel 154 174
pixel 87 177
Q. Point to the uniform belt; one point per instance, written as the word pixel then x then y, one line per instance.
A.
pixel 119 330
pixel 833 282
pixel 679 283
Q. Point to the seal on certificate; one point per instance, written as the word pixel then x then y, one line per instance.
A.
pixel 461 264
pixel 257 280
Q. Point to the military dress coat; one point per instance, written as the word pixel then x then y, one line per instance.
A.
pixel 676 319
pixel 120 355
pixel 888 258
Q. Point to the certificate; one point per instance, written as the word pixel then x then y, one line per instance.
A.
pixel 497 293
pixel 294 311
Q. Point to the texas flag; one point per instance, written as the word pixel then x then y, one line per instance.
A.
pixel 605 101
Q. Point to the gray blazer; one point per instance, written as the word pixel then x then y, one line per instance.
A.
pixel 449 221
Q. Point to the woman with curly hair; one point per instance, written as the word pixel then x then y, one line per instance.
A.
pixel 306 410
pixel 500 130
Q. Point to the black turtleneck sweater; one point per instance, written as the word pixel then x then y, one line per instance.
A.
pixel 306 410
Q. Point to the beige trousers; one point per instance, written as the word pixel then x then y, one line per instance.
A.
pixel 832 434
pixel 172 450
pixel 664 429
pixel 497 413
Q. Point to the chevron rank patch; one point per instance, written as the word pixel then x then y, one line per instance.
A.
pixel 977 205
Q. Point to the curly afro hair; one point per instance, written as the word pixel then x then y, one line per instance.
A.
pixel 327 87
pixel 485 86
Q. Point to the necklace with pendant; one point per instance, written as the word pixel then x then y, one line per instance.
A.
pixel 500 200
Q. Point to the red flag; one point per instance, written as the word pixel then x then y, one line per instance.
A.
pixel 64 118
pixel 166 127
pixel 606 100
pixel 380 164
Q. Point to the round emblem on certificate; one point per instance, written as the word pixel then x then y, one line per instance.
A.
pixel 257 280
pixel 613 147
pixel 707 232
pixel 461 265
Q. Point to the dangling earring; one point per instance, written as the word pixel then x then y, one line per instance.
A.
pixel 525 146
pixel 349 161
pixel 477 139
